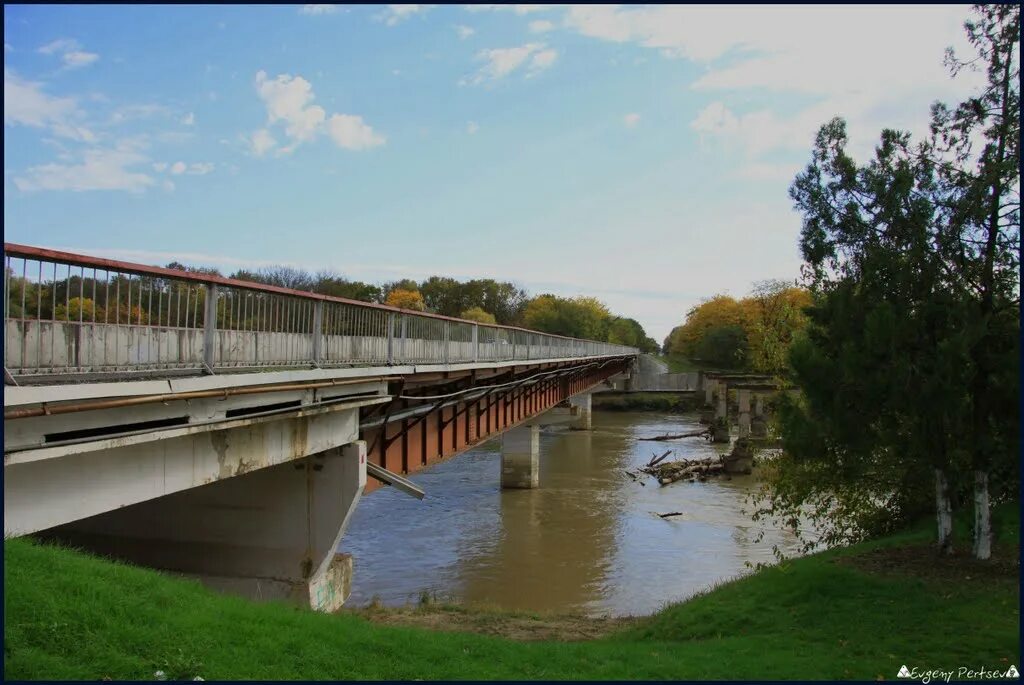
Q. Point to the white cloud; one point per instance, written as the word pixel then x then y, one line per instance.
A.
pixel 464 31
pixel 542 60
pixel 501 62
pixel 261 142
pixel 179 168
pixel 350 132
pixel 798 50
pixel 288 100
pixel 472 127
pixel 70 51
pixel 100 169
pixel 79 58
pixel 541 26
pixel 318 9
pixel 631 119
pixel 26 104
pixel 189 119
pixel 60 45
pixel 715 118
pixel 396 13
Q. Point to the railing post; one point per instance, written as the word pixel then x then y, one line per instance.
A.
pixel 391 338
pixel 318 331
pixel 476 342
pixel 401 349
pixel 210 327
pixel 447 340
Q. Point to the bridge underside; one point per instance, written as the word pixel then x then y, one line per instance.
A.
pixel 247 485
pixel 463 409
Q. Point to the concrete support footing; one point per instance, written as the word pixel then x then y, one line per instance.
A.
pixel 520 457
pixel 741 459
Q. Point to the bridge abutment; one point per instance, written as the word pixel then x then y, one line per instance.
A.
pixel 520 457
pixel 269 534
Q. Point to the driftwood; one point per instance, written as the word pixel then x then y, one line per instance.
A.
pixel 655 460
pixel 669 472
pixel 693 434
pixel 671 513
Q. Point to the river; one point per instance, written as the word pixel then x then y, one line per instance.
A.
pixel 587 540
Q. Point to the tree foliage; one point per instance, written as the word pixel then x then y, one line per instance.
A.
pixel 405 299
pixel 751 333
pixel 908 371
pixel 477 314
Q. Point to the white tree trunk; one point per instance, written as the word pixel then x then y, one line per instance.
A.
pixel 943 513
pixel 982 521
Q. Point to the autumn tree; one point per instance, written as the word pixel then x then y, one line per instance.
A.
pixel 477 314
pixel 405 299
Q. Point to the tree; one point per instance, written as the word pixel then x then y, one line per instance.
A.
pixel 910 365
pixel 479 315
pixel 724 347
pixel 979 199
pixel 405 299
pixel 716 312
pixel 774 314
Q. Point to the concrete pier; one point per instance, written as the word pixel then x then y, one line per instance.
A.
pixel 720 427
pixel 758 427
pixel 520 457
pixel 582 407
pixel 743 397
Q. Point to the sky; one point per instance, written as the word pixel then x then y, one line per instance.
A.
pixel 638 154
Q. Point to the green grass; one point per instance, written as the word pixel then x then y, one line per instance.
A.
pixel 73 616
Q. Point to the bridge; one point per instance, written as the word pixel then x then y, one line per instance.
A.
pixel 226 429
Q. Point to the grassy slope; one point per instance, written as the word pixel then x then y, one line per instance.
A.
pixel 71 616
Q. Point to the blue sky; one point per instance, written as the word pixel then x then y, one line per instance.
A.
pixel 638 154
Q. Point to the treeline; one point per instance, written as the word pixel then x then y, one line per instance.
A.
pixel 482 300
pixel 753 333
pixel 148 300
pixel 908 372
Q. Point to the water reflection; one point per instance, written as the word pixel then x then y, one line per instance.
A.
pixel 588 539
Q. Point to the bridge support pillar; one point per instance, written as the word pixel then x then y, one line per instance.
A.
pixel 582 407
pixel 758 427
pixel 272 533
pixel 743 398
pixel 709 393
pixel 520 457
pixel 720 426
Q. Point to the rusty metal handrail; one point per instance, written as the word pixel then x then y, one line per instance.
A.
pixel 226 322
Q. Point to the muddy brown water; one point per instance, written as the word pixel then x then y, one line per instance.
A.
pixel 588 540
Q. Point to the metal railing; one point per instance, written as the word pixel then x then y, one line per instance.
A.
pixel 69 314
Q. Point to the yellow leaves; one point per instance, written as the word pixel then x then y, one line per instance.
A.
pixel 770 318
pixel 405 299
pixel 478 314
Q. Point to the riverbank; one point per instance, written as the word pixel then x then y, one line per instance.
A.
pixel 646 401
pixel 854 613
